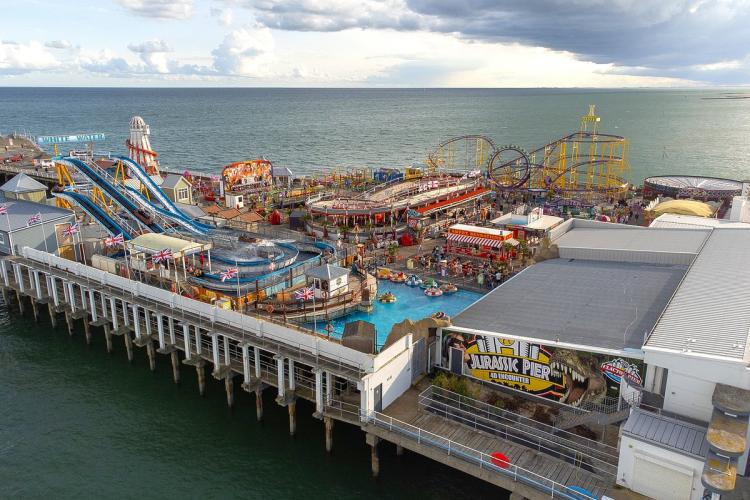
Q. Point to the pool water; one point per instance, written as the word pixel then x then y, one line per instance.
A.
pixel 411 302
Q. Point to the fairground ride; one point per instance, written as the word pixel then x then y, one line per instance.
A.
pixel 586 165
pixel 465 154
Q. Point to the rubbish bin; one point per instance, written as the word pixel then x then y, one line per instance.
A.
pixel 409 263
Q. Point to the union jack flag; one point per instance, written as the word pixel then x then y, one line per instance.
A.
pixel 114 240
pixel 162 255
pixel 304 293
pixel 34 219
pixel 3 210
pixel 229 274
pixel 272 267
pixel 71 230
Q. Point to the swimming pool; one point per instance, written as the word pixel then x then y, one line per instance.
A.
pixel 411 303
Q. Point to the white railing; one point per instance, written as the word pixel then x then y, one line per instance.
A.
pixel 476 457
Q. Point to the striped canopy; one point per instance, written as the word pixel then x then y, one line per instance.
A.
pixel 475 240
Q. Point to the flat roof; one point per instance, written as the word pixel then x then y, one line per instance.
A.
pixel 542 223
pixel 594 304
pixel 154 242
pixel 676 221
pixel 643 239
pixel 677 435
pixel 478 229
pixel 710 312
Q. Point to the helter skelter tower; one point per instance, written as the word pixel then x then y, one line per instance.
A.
pixel 139 146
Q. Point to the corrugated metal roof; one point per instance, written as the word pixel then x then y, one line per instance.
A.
pixel 22 183
pixel 710 312
pixel 667 432
pixel 609 305
pixel 20 211
pixel 327 272
pixel 641 239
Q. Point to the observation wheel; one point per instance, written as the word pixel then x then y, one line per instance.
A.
pixel 509 167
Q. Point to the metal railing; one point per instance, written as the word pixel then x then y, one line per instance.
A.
pixel 476 457
pixel 581 452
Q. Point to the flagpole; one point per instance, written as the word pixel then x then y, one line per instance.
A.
pixel 315 317
pixel 44 233
pixel 80 242
pixel 10 239
pixel 237 268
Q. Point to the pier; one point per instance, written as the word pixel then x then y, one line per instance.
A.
pixel 371 391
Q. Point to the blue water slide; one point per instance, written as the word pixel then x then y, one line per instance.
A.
pixel 137 171
pixel 184 222
pixel 123 201
pixel 93 210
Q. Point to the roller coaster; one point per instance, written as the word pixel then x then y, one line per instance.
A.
pixel 586 165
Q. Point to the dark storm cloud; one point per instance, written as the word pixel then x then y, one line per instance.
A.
pixel 656 38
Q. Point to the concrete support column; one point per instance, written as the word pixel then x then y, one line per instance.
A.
pixel 108 337
pixel 215 350
pixel 175 354
pixel 329 388
pixel 92 303
pixel 227 358
pixel 328 423
pixel 160 329
pixel 37 285
pixel 292 407
pixel 87 329
pixel 259 404
pixel 83 297
pixel 399 450
pixel 198 341
pixel 319 407
pixel 6 298
pixel 125 313
pixel 292 382
pixel 147 319
pixel 186 339
pixel 172 335
pixel 115 320
pixel 71 296
pixel 245 363
pixel 4 271
pixel 136 322
pixel 53 291
pixel 256 361
pixel 104 304
pixel 280 379
pixel 52 314
pixel 128 345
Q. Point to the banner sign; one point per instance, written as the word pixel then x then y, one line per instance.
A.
pixel 60 139
pixel 563 375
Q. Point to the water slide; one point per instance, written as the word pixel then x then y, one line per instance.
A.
pixel 184 222
pixel 137 171
pixel 94 211
pixel 123 201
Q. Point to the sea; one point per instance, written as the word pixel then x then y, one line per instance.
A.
pixel 76 422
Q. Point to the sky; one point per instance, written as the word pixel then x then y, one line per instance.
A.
pixel 371 43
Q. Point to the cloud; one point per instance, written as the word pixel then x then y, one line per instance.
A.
pixel 224 16
pixel 160 9
pixel 246 51
pixel 19 58
pixel 667 37
pixel 58 44
pixel 149 47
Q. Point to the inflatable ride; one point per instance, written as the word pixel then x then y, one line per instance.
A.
pixel 413 280
pixel 383 273
pixel 433 291
pixel 398 277
pixel 387 298
pixel 448 288
pixel 429 283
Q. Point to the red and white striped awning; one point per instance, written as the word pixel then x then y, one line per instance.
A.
pixel 474 240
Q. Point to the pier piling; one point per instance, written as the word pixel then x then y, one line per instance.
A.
pixel 229 387
pixel 52 314
pixel 151 352
pixel 35 309
pixel 128 345
pixel 69 321
pixel 6 297
pixel 175 366
pixel 259 404
pixel 108 337
pixel 292 407
pixel 87 329
pixel 20 301
pixel 201 379
pixel 399 450
pixel 328 422
pixel 373 441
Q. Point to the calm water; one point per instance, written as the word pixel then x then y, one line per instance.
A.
pixel 411 303
pixel 314 130
pixel 76 422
